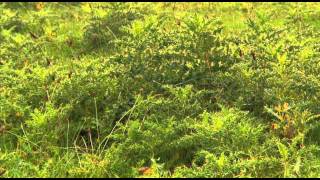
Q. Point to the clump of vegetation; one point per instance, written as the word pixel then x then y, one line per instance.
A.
pixel 159 90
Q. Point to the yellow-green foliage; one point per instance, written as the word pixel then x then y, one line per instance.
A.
pixel 159 89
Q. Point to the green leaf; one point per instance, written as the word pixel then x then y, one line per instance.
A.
pixel 283 150
pixel 297 166
pixel 221 161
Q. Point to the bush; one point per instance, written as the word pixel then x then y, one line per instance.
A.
pixel 159 90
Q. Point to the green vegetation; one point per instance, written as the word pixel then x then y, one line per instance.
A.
pixel 159 90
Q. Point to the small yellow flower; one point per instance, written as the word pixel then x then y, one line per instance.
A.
pixel 287 117
pixel 285 106
pixel 278 108
pixel 26 62
pixel 274 126
pixel 39 6
pixel 18 114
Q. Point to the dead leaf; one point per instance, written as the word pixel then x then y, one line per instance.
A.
pixel 2 171
pixel 145 171
pixel 2 129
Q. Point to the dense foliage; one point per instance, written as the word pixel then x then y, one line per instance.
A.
pixel 159 90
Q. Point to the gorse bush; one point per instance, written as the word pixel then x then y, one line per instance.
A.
pixel 159 90
pixel 107 26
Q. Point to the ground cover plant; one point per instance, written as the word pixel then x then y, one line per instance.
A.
pixel 159 89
